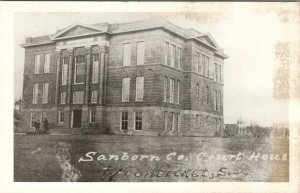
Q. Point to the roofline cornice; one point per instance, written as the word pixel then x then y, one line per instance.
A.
pixel 36 44
pixel 53 40
pixel 224 56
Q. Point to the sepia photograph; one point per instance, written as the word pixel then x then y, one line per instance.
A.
pixel 203 92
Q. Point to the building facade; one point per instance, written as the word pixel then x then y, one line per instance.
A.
pixel 140 78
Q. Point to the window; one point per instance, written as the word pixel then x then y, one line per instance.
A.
pixel 216 73
pixel 198 92
pixel 198 118
pixel 139 88
pixel 61 116
pixel 78 97
pixel 173 121
pixel 165 121
pixel 220 74
pixel 177 121
pixel 37 60
pixel 63 97
pixel 207 94
pixel 32 119
pixel 203 64
pixel 166 53
pixel 165 88
pixel 126 54
pixel 197 121
pixel 43 116
pixel 215 100
pixel 206 120
pixel 92 115
pixel 179 58
pixel 207 65
pixel 80 59
pixel 45 93
pixel 95 68
pixel 172 90
pixel 124 121
pixel 172 55
pixel 64 74
pixel 197 62
pixel 140 53
pixel 35 94
pixel 79 72
pixel 47 63
pixel 94 96
pixel 125 89
pixel 178 91
pixel 138 121
pixel 219 100
pixel 200 64
pixel 217 125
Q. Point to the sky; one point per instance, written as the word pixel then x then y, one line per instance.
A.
pixel 248 35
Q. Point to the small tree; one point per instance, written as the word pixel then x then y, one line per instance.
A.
pixel 18 106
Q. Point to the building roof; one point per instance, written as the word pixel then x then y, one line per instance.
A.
pixel 116 28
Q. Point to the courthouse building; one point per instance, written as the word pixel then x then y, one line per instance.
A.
pixel 140 78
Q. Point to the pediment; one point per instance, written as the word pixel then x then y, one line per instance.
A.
pixel 207 40
pixel 75 30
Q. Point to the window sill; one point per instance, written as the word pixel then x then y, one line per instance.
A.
pixel 82 83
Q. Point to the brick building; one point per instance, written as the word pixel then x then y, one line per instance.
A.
pixel 140 78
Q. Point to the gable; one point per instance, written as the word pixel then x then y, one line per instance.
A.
pixel 206 40
pixel 77 31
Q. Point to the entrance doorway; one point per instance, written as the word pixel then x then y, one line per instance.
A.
pixel 76 118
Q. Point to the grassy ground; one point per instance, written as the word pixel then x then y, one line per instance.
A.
pixel 56 158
